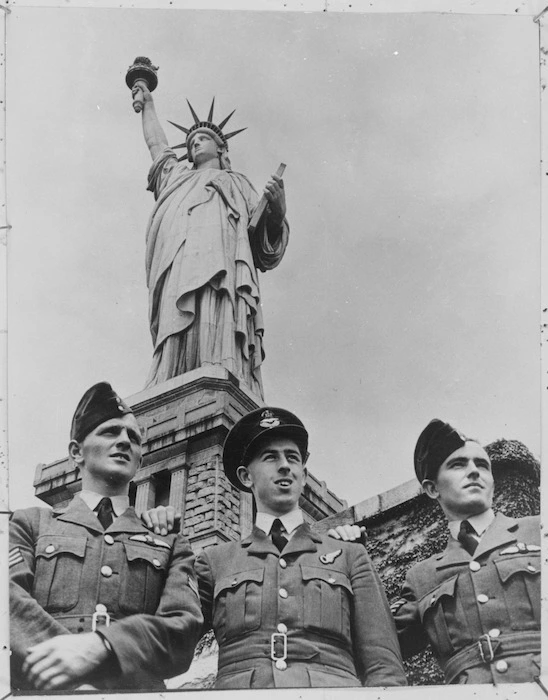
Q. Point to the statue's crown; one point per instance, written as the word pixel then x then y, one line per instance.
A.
pixel 200 125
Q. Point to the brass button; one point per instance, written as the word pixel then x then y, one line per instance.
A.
pixel 235 582
pixel 331 579
pixel 501 666
pixel 283 563
pixel 482 598
pixel 106 571
pixel 531 568
pixel 475 566
pixel 50 548
pixel 100 608
pixel 494 633
pixel 109 539
pixel 281 665
pixel 156 562
pixel 282 629
pixel 283 593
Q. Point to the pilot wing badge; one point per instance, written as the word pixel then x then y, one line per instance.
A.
pixel 330 557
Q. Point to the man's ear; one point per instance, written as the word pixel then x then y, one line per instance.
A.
pixel 75 453
pixel 243 475
pixel 430 489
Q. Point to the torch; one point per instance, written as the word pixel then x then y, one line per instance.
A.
pixel 142 71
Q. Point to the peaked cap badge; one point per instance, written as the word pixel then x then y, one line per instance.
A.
pixel 207 125
pixel 269 420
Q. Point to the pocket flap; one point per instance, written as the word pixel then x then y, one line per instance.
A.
pixel 447 588
pixel 235 580
pixel 49 546
pixel 237 680
pixel 331 576
pixel 509 566
pixel 158 558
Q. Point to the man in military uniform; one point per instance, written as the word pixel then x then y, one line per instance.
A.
pixel 96 601
pixel 478 602
pixel 289 607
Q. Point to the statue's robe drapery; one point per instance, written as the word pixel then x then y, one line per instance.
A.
pixel 204 303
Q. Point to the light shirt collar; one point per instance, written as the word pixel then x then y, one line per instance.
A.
pixel 119 503
pixel 479 522
pixel 290 521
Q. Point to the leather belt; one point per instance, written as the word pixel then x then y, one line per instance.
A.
pixel 278 646
pixel 486 649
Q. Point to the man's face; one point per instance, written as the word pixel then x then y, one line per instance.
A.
pixel 203 148
pixel 276 476
pixel 110 454
pixel 464 483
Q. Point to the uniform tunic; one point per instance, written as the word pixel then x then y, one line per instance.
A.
pixel 481 614
pixel 64 568
pixel 314 615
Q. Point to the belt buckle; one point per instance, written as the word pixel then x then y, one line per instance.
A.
pixel 99 619
pixel 487 638
pixel 283 637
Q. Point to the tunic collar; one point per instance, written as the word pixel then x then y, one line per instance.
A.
pixel 290 521
pixel 119 503
pixel 479 522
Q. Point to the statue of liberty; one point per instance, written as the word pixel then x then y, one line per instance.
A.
pixel 202 255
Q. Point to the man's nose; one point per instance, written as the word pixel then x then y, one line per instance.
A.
pixel 472 469
pixel 283 463
pixel 123 438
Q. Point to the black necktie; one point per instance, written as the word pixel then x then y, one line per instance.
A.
pixel 466 537
pixel 104 511
pixel 276 532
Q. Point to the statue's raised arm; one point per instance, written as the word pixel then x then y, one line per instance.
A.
pixel 142 79
pixel 155 137
pixel 202 262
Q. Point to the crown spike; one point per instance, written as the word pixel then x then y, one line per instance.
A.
pixel 233 133
pixel 178 126
pixel 226 119
pixel 194 115
pixel 183 157
pixel 180 145
pixel 210 115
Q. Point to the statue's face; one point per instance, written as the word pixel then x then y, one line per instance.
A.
pixel 203 148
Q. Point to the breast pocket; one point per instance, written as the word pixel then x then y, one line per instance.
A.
pixel 238 604
pixel 59 561
pixel 327 600
pixel 432 610
pixel 142 578
pixel 520 579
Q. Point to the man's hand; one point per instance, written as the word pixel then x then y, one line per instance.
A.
pixel 63 661
pixel 274 192
pixel 161 519
pixel 349 533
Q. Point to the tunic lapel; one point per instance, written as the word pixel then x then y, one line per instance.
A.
pixel 79 513
pixel 303 540
pixel 454 554
pixel 259 543
pixel 128 522
pixel 500 532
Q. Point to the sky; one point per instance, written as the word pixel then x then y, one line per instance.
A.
pixel 411 286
